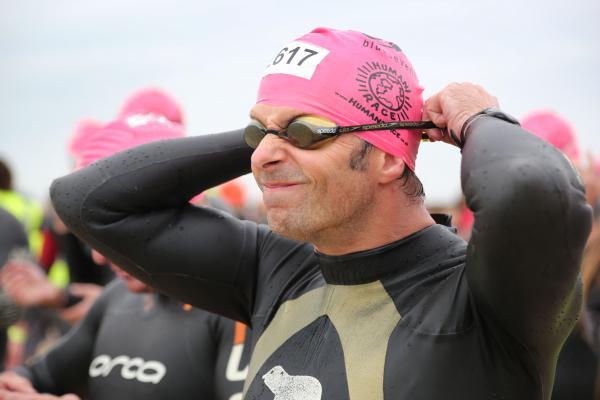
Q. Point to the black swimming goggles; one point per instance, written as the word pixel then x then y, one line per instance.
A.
pixel 305 131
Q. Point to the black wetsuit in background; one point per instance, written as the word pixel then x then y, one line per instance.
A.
pixel 425 317
pixel 144 346
pixel 78 256
pixel 12 237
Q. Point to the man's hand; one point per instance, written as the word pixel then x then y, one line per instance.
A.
pixel 13 382
pixel 28 286
pixel 7 395
pixel 88 293
pixel 591 179
pixel 451 107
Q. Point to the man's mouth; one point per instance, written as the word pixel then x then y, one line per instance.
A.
pixel 279 185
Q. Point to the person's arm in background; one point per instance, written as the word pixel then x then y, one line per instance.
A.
pixel 133 208
pixel 12 236
pixel 28 286
pixel 64 369
pixel 12 240
pixel 8 395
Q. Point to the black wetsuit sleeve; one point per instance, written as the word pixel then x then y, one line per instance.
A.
pixel 64 369
pixel 133 207
pixel 531 224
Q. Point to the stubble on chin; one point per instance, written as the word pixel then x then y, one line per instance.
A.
pixel 290 225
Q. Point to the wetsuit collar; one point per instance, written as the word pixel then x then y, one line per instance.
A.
pixel 374 264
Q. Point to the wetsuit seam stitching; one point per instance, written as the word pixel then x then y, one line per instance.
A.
pixel 455 333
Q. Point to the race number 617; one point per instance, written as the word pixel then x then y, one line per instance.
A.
pixel 297 58
pixel 305 54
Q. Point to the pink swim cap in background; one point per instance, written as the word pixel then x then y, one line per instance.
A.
pixel 126 133
pixel 350 78
pixel 152 101
pixel 554 129
pixel 84 129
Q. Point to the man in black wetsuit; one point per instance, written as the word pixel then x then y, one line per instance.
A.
pixel 353 291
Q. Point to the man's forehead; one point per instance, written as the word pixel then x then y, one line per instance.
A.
pixel 262 110
pixel 280 114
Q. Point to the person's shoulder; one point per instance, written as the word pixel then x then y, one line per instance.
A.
pixel 12 235
pixel 8 222
pixel 115 286
pixel 114 291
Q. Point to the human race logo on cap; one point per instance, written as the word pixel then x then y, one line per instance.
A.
pixel 350 78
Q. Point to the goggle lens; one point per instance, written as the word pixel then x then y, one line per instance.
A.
pixel 253 134
pixel 297 133
pixel 301 135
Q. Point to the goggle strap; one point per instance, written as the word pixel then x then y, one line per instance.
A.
pixel 387 126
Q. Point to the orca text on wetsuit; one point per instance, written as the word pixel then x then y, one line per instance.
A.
pixel 140 345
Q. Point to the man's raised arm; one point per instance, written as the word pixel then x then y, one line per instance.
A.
pixel 531 224
pixel 133 207
pixel 531 219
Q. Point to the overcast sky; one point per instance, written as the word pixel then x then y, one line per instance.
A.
pixel 61 61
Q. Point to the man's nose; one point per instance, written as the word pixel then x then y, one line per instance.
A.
pixel 270 151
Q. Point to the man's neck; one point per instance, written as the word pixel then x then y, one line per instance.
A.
pixel 375 230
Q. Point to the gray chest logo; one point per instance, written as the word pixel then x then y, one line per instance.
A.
pixel 289 387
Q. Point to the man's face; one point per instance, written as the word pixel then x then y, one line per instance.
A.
pixel 133 285
pixel 311 195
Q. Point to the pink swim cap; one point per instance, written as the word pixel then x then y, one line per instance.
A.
pixel 152 101
pixel 84 129
pixel 554 129
pixel 350 78
pixel 126 133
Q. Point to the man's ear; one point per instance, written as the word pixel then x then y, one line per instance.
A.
pixel 391 169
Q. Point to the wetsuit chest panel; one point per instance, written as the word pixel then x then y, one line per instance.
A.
pixel 442 338
pixel 363 346
pixel 462 366
pixel 145 354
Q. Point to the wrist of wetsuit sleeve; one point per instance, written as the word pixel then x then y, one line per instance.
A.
pixel 24 372
pixel 486 113
pixel 63 298
pixel 69 298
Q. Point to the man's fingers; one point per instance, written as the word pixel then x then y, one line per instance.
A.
pixel 21 387
pixel 591 163
pixel 84 289
pixel 435 135
pixel 8 395
pixel 433 112
pixel 11 381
